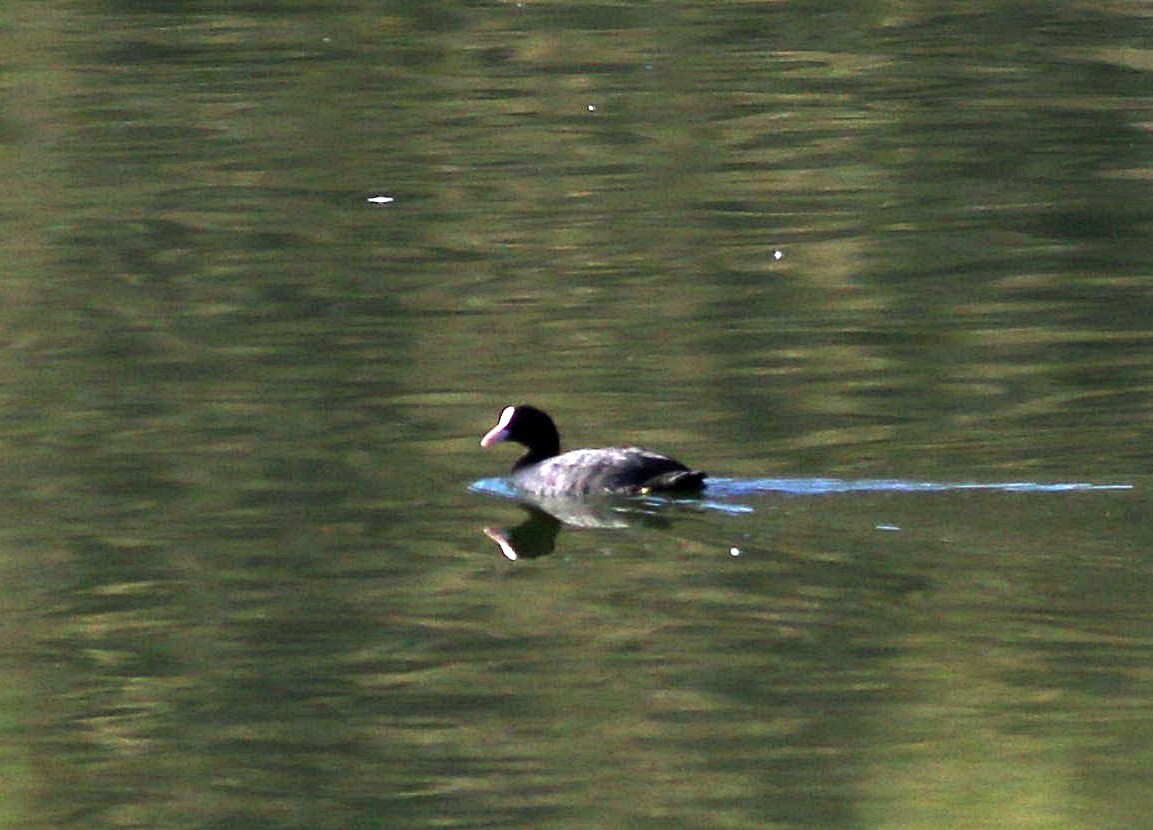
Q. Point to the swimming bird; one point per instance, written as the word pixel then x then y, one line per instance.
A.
pixel 545 471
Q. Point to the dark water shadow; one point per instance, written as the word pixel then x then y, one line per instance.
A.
pixel 537 534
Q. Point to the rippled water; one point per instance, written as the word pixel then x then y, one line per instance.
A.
pixel 272 270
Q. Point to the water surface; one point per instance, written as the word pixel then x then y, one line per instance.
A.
pixel 884 273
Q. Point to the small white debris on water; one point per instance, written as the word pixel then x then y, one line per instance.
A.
pixel 734 551
pixel 778 255
pixel 886 527
pixel 592 107
pixel 381 200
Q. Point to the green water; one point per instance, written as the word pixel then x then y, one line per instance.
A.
pixel 246 578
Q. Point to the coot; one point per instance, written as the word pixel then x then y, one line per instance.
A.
pixel 544 471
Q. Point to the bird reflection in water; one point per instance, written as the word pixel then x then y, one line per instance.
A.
pixel 537 534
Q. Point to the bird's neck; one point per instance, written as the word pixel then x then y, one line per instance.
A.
pixel 535 455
